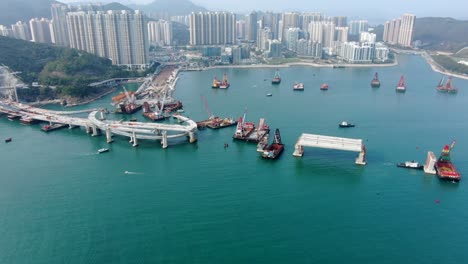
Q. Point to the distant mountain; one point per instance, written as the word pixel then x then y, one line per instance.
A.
pixel 115 6
pixel 14 10
pixel 441 33
pixel 170 7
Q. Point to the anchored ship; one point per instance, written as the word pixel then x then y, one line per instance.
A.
pixel 444 166
pixel 298 86
pixel 401 87
pixel 224 84
pixel 274 150
pixel 375 83
pixel 277 78
pixel 447 87
pixel 324 86
pixel 216 83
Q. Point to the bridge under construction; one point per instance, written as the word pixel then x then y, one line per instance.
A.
pixel 96 124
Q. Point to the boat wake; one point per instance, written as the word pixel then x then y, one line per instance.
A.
pixel 133 172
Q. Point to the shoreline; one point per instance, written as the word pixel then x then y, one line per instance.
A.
pixel 437 68
pixel 301 63
pixel 92 99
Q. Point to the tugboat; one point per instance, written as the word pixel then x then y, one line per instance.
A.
pixel 324 86
pixel 345 124
pixel 401 87
pixel 277 78
pixel 447 87
pixel 375 83
pixel 102 150
pixel 275 149
pixel 444 167
pixel 298 86
pixel 8 140
pixel 224 84
pixel 410 165
pixel 216 83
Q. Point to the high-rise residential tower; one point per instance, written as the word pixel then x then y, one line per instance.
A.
pixel 118 35
pixel 160 32
pixel 212 28
pixel 21 31
pixel 252 26
pixel 358 26
pixel 405 37
pixel 59 22
pixel 41 30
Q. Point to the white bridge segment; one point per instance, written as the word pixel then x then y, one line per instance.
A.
pixel 328 142
pixel 319 141
pixel 138 130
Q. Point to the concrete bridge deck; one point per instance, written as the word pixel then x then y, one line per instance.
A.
pixel 328 142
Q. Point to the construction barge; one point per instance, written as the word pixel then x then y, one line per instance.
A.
pixel 444 166
pixel 247 131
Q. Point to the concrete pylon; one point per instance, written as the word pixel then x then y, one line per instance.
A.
pixel 102 115
pixel 109 135
pixel 135 141
pixel 193 137
pixel 95 131
pixel 164 139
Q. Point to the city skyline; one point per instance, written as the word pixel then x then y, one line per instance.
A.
pixel 358 9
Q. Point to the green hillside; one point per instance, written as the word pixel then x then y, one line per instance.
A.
pixel 24 10
pixel 70 70
pixel 170 7
pixel 441 33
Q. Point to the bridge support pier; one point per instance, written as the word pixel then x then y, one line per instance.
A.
pixel 103 117
pixel 135 140
pixel 109 136
pixel 298 150
pixel 361 158
pixel 95 130
pixel 89 129
pixel 164 139
pixel 192 137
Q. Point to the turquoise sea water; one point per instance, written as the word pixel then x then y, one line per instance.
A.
pixel 61 202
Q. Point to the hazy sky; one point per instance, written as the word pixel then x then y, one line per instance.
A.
pixel 373 10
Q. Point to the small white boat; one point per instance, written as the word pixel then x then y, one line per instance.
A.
pixel 102 150
pixel 180 110
pixel 268 94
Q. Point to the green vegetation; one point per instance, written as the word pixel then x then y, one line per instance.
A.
pixel 450 64
pixel 283 61
pixel 439 33
pixel 69 70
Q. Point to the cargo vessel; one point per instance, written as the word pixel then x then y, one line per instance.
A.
pixel 401 86
pixel 276 79
pixel 244 129
pixel 444 166
pixel 447 87
pixel 375 83
pixel 274 150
